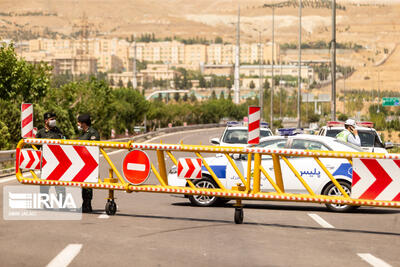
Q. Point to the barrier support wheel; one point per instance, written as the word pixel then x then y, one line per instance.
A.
pixel 111 207
pixel 239 215
pixel 238 212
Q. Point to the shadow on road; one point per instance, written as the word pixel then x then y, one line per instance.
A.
pixel 322 208
pixel 229 222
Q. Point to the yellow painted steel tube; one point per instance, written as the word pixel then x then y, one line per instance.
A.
pixel 298 176
pixel 158 176
pixel 278 190
pixel 331 177
pixel 257 176
pixel 233 164
pixel 161 166
pixel 216 179
pixel 249 156
pixel 278 172
pixel 172 157
pixel 122 181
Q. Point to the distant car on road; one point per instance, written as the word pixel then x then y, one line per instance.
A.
pixel 237 136
pixel 308 168
pixel 370 139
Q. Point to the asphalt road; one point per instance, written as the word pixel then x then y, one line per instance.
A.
pixel 165 230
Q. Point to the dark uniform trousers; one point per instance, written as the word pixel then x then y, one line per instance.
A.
pixel 87 193
pixel 52 133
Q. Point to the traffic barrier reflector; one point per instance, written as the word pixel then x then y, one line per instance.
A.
pixel 376 179
pixel 254 125
pixel 26 120
pixel 71 163
pixel 189 168
pixel 30 159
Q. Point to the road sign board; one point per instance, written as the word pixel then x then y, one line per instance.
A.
pixel 71 163
pixel 30 159
pixel 376 179
pixel 136 167
pixel 391 101
pixel 189 168
pixel 26 120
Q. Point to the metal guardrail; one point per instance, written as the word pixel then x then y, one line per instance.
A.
pixel 9 155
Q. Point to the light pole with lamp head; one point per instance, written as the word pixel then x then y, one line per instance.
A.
pixel 260 62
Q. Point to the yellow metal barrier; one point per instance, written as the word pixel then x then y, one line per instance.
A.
pixel 244 190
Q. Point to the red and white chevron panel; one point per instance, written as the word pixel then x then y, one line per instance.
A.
pixel 71 163
pixel 376 179
pixel 254 125
pixel 30 159
pixel 189 168
pixel 26 120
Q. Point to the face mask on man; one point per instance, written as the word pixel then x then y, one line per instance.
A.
pixel 52 123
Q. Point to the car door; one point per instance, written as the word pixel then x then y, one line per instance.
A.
pixel 266 161
pixel 307 167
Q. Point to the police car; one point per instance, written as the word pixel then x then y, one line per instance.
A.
pixel 370 139
pixel 236 135
pixel 307 167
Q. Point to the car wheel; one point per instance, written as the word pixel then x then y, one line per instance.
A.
pixel 332 190
pixel 204 201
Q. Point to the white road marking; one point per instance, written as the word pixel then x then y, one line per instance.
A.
pixel 5 180
pixel 65 257
pixel 372 260
pixel 103 216
pixel 136 167
pixel 321 221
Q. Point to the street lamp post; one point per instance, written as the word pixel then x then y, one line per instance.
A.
pixel 260 56
pixel 299 78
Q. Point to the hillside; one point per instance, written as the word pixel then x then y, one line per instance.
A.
pixel 372 24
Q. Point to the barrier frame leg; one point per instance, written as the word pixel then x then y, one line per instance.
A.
pixel 111 206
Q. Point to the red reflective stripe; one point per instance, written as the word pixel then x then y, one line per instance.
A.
pixel 254 125
pixel 180 168
pixel 90 164
pixel 27 120
pixel 31 159
pixel 25 106
pixel 356 178
pixel 63 162
pixel 191 168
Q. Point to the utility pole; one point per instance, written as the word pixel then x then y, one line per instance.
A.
pixel 261 89
pixel 237 62
pixel 134 83
pixel 272 70
pixel 379 89
pixel 299 78
pixel 333 62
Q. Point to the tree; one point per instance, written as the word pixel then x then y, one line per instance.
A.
pixel 21 81
pixel 176 96
pixel 130 85
pixel 213 95
pixel 193 97
pixel 222 95
pixel 185 97
pixel 112 82
pixel 202 82
pixel 120 83
pixel 218 40
pixel 252 85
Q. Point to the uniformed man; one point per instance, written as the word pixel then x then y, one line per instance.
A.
pixel 51 131
pixel 87 133
pixel 350 133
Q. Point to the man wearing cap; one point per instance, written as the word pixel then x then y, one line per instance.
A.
pixel 50 131
pixel 349 134
pixel 87 133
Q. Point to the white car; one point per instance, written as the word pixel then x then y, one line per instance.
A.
pixel 308 168
pixel 237 136
pixel 370 139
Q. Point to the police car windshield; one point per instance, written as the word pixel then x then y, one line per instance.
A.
pixel 368 137
pixel 239 136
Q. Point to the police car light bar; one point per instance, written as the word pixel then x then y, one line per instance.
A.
pixel 264 125
pixel 289 131
pixel 360 123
